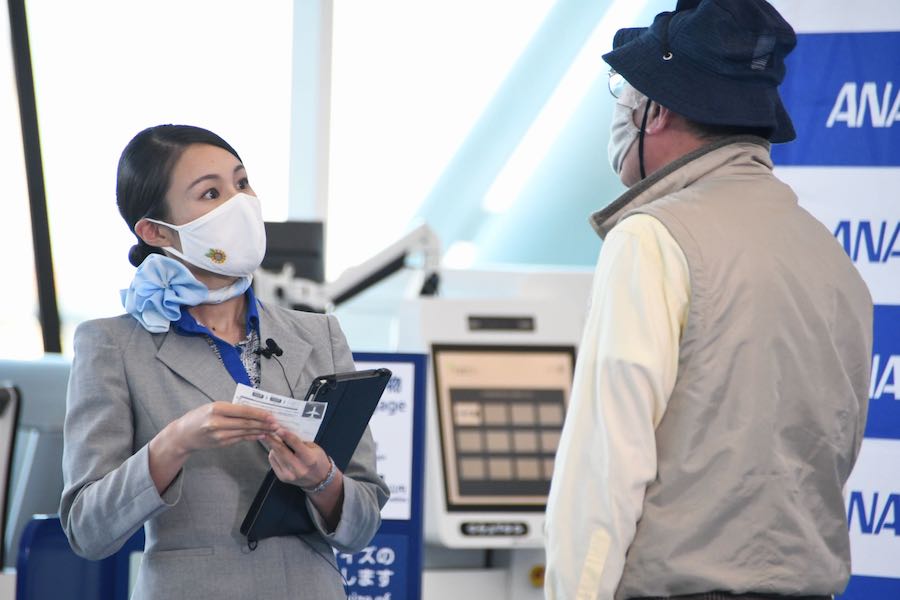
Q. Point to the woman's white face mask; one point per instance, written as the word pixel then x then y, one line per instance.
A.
pixel 623 132
pixel 228 240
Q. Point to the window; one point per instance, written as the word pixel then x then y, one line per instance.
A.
pixel 410 80
pixel 103 71
pixel 487 120
pixel 20 331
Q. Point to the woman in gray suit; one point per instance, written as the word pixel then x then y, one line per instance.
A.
pixel 151 437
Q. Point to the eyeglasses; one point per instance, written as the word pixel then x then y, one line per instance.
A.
pixel 616 84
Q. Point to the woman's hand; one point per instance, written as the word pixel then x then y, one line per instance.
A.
pixel 305 464
pixel 212 425
pixel 294 461
pixel 220 424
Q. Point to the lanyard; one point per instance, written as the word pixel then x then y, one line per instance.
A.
pixel 229 354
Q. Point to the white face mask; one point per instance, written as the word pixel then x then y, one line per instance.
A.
pixel 228 240
pixel 623 132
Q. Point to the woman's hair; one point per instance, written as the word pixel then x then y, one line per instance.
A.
pixel 145 170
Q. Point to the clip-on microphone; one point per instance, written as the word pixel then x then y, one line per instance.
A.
pixel 271 349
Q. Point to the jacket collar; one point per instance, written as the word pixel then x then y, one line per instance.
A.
pixel 679 174
pixel 190 357
pixel 292 338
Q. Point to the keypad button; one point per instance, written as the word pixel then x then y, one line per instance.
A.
pixel 523 414
pixel 525 441
pixel 469 441
pixel 471 468
pixel 551 414
pixel 500 468
pixel 495 414
pixel 528 469
pixel 498 440
pixel 549 441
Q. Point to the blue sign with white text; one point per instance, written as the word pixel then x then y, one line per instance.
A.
pixel 379 571
pixel 884 390
pixel 842 91
pixel 390 567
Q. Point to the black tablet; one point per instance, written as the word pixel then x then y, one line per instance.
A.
pixel 280 508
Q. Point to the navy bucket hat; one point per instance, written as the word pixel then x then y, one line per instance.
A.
pixel 716 62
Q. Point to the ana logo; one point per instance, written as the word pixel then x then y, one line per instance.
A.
pixel 874 241
pixel 874 513
pixel 866 105
pixel 884 377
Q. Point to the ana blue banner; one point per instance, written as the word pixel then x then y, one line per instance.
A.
pixel 843 94
pixel 842 91
pixel 871 588
pixel 870 241
pixel 884 391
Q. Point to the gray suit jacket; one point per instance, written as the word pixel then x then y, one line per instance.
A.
pixel 126 385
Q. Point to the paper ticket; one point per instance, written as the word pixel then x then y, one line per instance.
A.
pixel 300 417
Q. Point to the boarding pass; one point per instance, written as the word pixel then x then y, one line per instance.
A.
pixel 300 417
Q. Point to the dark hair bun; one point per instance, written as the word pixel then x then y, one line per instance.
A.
pixel 138 253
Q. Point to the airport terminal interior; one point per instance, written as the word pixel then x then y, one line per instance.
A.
pixel 426 170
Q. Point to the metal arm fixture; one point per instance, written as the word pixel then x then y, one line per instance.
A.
pixel 302 294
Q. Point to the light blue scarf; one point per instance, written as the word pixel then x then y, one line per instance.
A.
pixel 162 285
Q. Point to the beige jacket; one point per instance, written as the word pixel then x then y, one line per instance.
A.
pixel 727 473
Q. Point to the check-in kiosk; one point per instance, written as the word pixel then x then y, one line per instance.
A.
pixel 499 383
pixel 500 410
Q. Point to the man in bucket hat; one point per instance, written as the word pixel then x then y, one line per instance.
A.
pixel 721 390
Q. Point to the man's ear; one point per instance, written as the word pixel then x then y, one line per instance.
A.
pixel 659 118
pixel 155 234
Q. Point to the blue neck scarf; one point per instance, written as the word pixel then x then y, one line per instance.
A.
pixel 162 285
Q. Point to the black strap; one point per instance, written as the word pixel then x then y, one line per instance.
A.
pixel 641 138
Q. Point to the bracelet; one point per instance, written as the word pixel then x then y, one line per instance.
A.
pixel 325 482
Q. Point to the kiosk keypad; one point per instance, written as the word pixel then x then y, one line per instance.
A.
pixel 506 440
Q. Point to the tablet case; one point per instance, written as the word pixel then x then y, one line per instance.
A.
pixel 280 508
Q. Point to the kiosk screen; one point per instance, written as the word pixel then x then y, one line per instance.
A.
pixel 501 410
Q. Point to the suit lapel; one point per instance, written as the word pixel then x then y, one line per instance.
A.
pixel 292 339
pixel 191 357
